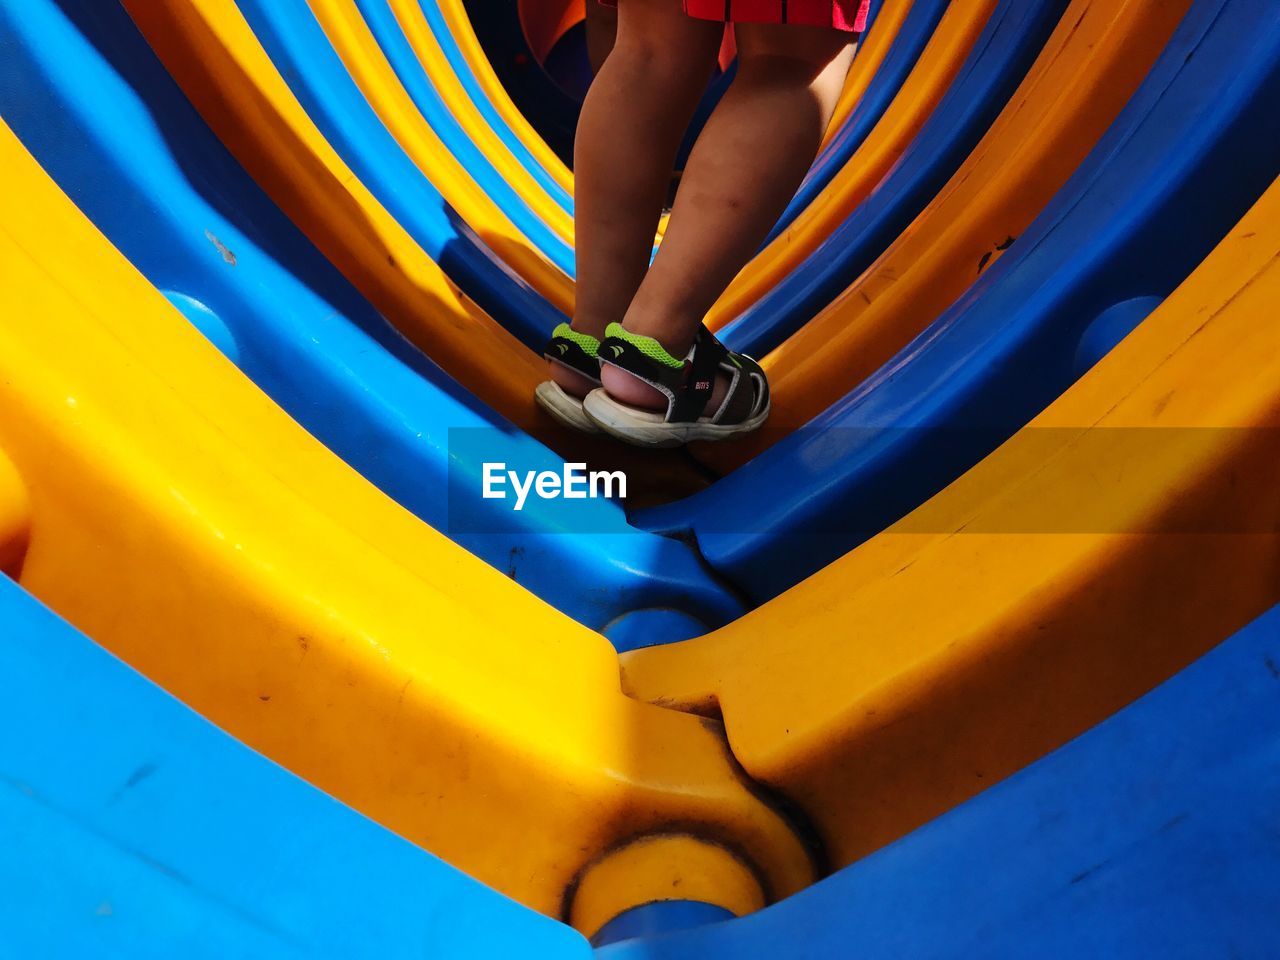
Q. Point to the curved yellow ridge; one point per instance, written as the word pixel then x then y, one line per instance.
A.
pixel 188 524
pixel 1088 70
pixel 939 62
pixel 1124 532
pixel 210 51
pixel 377 80
pixel 420 37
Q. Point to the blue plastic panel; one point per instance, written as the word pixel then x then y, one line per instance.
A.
pixel 132 827
pixel 84 92
pixel 1152 835
pixel 1195 147
pixel 1000 59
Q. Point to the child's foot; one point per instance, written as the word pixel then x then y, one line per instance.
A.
pixel 575 372
pixel 651 398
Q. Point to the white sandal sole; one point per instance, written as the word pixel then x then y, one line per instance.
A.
pixel 648 428
pixel 565 407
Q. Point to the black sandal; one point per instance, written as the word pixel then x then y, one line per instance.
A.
pixel 577 351
pixel 687 384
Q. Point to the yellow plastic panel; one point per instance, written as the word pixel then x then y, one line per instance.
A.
pixel 1124 532
pixel 364 60
pixel 939 62
pixel 418 31
pixel 211 52
pixel 1086 73
pixel 185 522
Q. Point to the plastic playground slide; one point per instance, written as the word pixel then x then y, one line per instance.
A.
pixel 1148 836
pixel 247 104
pixel 1010 42
pixel 165 837
pixel 86 95
pixel 368 406
pixel 1124 532
pixel 1088 70
pixel 1191 152
pixel 269 587
pixel 877 130
pixel 974 651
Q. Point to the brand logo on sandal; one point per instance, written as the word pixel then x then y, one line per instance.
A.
pixel 617 350
pixel 573 483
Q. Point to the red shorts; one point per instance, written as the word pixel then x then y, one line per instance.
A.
pixel 849 15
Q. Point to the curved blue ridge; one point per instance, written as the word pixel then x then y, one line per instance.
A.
pixel 387 29
pixel 133 827
pixel 1151 835
pixel 917 29
pixel 84 92
pixel 1195 147
pixel 1005 51
pixel 404 62
pixel 315 73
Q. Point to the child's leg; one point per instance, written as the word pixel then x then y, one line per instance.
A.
pixel 633 120
pixel 602 31
pixel 744 170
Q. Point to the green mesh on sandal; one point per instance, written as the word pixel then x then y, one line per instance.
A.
pixel 650 347
pixel 589 344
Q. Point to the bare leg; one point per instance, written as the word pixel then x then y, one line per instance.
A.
pixel 633 120
pixel 602 31
pixel 744 170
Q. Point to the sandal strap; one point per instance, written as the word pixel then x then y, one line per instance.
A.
pixel 577 351
pixel 704 361
pixel 748 392
pixel 688 383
